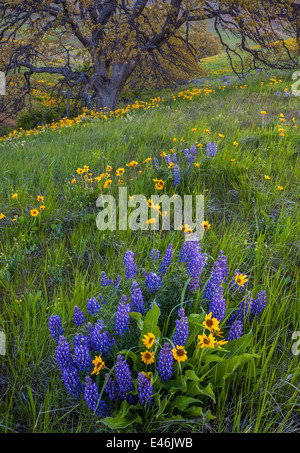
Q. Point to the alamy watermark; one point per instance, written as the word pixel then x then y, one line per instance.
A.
pixel 2 343
pixel 138 213
pixel 2 84
pixel 295 89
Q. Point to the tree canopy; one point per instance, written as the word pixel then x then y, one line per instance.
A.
pixel 92 47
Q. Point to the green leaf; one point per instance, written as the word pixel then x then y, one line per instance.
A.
pixel 123 419
pixel 226 368
pixel 150 323
pixel 195 327
pixel 138 317
pixel 181 403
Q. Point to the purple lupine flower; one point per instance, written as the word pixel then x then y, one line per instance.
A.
pixel 123 377
pixel 154 254
pixel 145 390
pixel 156 162
pixel 168 159
pixel 182 329
pixel 102 341
pixel 167 259
pixel 258 304
pixel 217 304
pixel 137 299
pixel 186 153
pixel 174 158
pixel 122 317
pixel 176 175
pixel 184 254
pixel 92 398
pixel 191 159
pixel 78 316
pixel 93 306
pixel 219 274
pixel 244 310
pixel 236 331
pixel 193 149
pixel 153 282
pixel 72 381
pixel 110 388
pixel 55 327
pixel 117 282
pixel 63 354
pixel 130 266
pixel 105 280
pixel 82 356
pixel 196 261
pixel 89 336
pixel 211 149
pixel 165 362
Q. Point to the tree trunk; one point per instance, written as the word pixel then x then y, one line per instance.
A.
pixel 107 89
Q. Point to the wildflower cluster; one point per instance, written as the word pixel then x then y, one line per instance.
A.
pixel 141 374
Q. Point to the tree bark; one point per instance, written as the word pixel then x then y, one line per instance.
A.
pixel 108 89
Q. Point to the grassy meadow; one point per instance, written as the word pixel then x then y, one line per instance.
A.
pixel 52 261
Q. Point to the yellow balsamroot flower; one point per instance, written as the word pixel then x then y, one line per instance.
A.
pixel 197 164
pixel 147 357
pixel 241 279
pixel 160 185
pixel 280 187
pixel 221 135
pixel 206 225
pixel 149 340
pixel 99 364
pixel 267 177
pixel 80 171
pixel 73 181
pixel 40 198
pixel 163 154
pixel 232 160
pixel 211 323
pixel 174 139
pixel 179 354
pixel 186 228
pixel 263 112
pixel 151 221
pixel 171 165
pixel 34 212
pixel 108 168
pixel 235 143
pixel 150 203
pixel 207 131
pixel 206 341
pixel 221 343
pixel 121 182
pixel 42 207
pixel 120 171
pixel 148 375
pixel 14 196
pixel 199 145
pixel 194 129
pixel 86 168
pixel 1 215
pixel 107 183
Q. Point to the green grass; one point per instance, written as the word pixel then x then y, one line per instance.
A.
pixel 51 263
